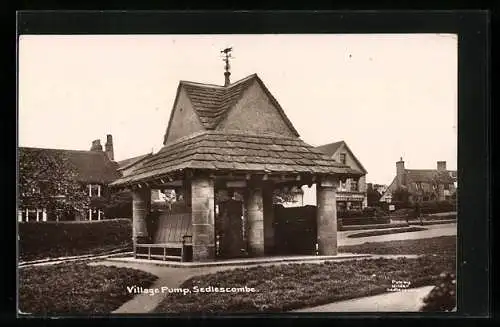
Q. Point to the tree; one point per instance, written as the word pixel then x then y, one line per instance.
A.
pixel 372 195
pixel 49 180
pixel 284 195
pixel 401 195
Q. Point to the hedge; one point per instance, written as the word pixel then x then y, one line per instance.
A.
pixel 38 240
pixel 364 221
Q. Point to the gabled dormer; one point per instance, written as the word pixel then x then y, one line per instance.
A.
pixel 243 106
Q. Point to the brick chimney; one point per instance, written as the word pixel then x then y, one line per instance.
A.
pixel 96 145
pixel 109 147
pixel 441 165
pixel 400 172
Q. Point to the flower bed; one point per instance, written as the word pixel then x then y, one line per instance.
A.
pixel 76 288
pixel 387 231
pixel 443 245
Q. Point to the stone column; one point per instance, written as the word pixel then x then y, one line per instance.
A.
pixel 203 210
pixel 255 221
pixel 141 204
pixel 268 219
pixel 326 217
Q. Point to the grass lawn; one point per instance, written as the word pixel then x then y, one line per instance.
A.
pixel 76 288
pixel 443 245
pixel 387 231
pixel 292 286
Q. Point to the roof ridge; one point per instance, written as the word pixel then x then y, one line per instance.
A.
pixel 221 87
pixel 67 150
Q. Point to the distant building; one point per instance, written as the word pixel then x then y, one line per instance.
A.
pixel 95 169
pixel 126 166
pixel 351 194
pixel 423 184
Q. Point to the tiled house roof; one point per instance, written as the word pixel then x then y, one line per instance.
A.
pixel 331 148
pixel 217 150
pixel 90 166
pixel 428 176
pixel 126 163
pixel 212 103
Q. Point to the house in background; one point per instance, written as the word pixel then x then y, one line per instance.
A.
pixel 351 194
pixel 437 184
pixel 95 169
pixel 126 166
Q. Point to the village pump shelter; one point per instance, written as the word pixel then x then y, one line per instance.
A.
pixel 226 149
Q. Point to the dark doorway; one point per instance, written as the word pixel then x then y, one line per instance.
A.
pixel 229 229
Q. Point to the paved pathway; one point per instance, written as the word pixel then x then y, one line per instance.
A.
pixel 432 231
pixel 173 277
pixel 406 301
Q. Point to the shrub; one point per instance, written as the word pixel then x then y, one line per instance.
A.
pixel 364 221
pixel 53 239
pixel 443 296
pixel 430 207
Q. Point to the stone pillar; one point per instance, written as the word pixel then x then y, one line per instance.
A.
pixel 203 211
pixel 255 221
pixel 268 219
pixel 141 204
pixel 326 217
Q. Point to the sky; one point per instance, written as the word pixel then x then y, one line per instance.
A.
pixel 387 96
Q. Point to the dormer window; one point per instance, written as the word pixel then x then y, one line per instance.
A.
pixel 342 158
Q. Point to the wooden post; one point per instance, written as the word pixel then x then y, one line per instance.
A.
pixel 255 219
pixel 203 211
pixel 27 215
pixel 44 215
pixel 326 218
pixel 99 190
pixel 90 214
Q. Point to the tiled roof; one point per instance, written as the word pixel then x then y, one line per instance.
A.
pixel 212 102
pixel 126 163
pixel 90 166
pixel 237 152
pixel 428 176
pixel 331 148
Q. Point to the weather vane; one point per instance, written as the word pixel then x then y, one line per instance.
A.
pixel 227 54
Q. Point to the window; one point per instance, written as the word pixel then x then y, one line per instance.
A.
pixel 94 190
pixel 354 185
pixel 342 158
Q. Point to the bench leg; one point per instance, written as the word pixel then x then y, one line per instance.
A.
pixel 149 253
pixel 164 253
pixel 182 253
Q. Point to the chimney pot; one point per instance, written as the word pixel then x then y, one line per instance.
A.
pixel 441 165
pixel 109 147
pixel 96 145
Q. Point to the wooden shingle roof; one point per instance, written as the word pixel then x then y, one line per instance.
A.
pixel 212 103
pixel 237 152
pixel 90 166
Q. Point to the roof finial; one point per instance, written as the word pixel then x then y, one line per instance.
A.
pixel 400 158
pixel 227 55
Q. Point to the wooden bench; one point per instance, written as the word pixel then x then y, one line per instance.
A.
pixel 174 232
